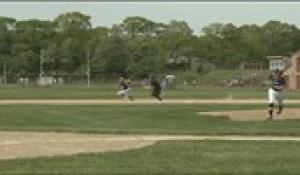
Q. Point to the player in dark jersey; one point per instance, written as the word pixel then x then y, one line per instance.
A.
pixel 156 89
pixel 278 84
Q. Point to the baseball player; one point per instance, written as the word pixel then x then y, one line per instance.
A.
pixel 156 89
pixel 125 88
pixel 278 84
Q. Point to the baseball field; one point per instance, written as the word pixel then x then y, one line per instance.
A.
pixel 74 130
pixel 149 88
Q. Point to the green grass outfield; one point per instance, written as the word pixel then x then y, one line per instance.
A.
pixel 172 158
pixel 108 91
pixel 137 119
pixel 165 157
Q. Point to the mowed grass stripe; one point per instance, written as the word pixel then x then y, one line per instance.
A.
pixel 137 119
pixel 172 157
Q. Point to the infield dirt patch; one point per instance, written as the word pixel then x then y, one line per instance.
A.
pixel 254 115
pixel 15 144
pixel 33 144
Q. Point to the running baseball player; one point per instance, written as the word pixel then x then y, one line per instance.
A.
pixel 125 88
pixel 156 89
pixel 278 84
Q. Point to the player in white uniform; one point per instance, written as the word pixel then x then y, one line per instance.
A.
pixel 278 84
pixel 125 88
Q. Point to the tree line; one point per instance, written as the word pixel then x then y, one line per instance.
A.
pixel 138 46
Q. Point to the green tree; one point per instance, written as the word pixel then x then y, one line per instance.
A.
pixel 30 37
pixel 279 37
pixel 71 42
pixel 7 31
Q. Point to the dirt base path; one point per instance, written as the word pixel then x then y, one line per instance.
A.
pixel 33 144
pixel 254 115
pixel 144 101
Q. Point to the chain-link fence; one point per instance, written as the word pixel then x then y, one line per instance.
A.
pixel 232 75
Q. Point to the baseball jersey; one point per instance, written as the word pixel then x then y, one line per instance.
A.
pixel 124 85
pixel 155 84
pixel 276 82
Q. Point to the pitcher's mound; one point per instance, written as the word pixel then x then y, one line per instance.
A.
pixel 254 115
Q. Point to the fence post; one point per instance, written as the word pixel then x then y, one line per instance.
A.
pixel 88 73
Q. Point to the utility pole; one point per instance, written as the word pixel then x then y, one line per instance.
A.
pixel 4 74
pixel 88 68
pixel 88 55
pixel 41 63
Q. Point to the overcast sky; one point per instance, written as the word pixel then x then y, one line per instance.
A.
pixel 196 14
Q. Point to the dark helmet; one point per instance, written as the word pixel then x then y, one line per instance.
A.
pixel 124 75
pixel 277 70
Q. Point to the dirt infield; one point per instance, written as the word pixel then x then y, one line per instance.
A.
pixel 143 101
pixel 254 115
pixel 32 144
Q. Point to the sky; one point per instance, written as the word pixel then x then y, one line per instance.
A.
pixel 196 14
